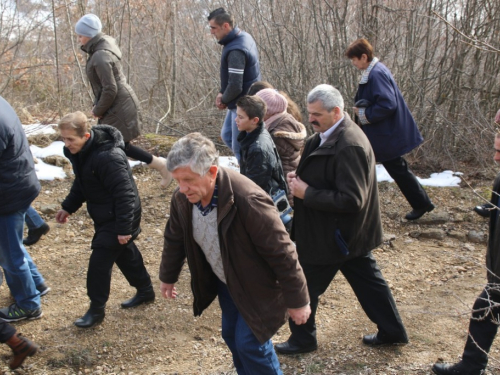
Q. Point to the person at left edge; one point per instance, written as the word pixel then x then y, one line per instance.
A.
pixel 104 180
pixel 237 248
pixel 19 186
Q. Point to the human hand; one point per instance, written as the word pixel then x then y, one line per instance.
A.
pixel 124 239
pixel 298 187
pixel 168 290
pixel 218 102
pixel 300 316
pixel 62 217
pixel 497 117
pixel 93 114
pixel 290 176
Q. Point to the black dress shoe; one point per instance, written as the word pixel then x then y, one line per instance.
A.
pixel 34 235
pixel 288 348
pixel 483 210
pixel 91 318
pixel 454 369
pixel 417 213
pixel 373 340
pixel 145 295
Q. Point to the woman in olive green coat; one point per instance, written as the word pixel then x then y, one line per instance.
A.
pixel 115 102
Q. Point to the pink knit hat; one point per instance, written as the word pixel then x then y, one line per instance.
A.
pixel 276 103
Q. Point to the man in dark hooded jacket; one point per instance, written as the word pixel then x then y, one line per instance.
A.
pixel 104 180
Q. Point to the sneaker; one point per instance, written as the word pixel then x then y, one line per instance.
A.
pixel 13 313
pixel 43 289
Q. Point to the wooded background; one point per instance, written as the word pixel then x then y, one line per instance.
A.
pixel 444 55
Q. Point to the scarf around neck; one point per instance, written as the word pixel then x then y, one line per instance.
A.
pixel 366 72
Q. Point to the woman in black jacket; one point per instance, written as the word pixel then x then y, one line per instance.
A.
pixel 104 180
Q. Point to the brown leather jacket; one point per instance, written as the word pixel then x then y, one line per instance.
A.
pixel 260 263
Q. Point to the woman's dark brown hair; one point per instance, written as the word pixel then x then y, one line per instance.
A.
pixel 358 48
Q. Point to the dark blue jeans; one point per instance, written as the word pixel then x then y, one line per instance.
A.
pixel 249 356
pixel 229 133
pixel 21 273
pixel 33 219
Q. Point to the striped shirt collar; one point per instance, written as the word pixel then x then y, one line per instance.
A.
pixel 213 203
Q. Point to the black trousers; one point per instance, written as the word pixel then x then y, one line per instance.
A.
pixel 407 182
pixel 6 331
pixel 137 153
pixel 128 259
pixel 371 289
pixel 482 330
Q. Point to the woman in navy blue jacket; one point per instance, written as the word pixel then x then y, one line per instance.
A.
pixel 387 122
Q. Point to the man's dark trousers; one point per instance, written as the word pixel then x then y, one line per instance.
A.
pixel 370 288
pixel 483 328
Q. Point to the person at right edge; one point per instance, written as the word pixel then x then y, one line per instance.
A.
pixel 337 221
pixel 386 120
pixel 483 325
pixel 485 209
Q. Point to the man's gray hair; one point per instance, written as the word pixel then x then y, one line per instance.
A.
pixel 194 151
pixel 328 95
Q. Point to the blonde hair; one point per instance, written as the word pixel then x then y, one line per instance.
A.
pixel 76 121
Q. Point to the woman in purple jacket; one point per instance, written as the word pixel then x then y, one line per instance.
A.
pixel 387 122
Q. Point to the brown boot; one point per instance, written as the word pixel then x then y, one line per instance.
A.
pixel 22 347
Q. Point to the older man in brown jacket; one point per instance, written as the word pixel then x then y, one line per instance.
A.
pixel 337 220
pixel 237 249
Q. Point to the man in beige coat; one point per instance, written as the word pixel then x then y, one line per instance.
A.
pixel 237 249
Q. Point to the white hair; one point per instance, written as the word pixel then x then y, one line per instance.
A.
pixel 194 151
pixel 328 95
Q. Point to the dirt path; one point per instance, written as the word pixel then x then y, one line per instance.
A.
pixel 434 282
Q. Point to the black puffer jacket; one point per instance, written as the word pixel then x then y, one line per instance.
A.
pixel 19 185
pixel 260 161
pixel 115 102
pixel 104 180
